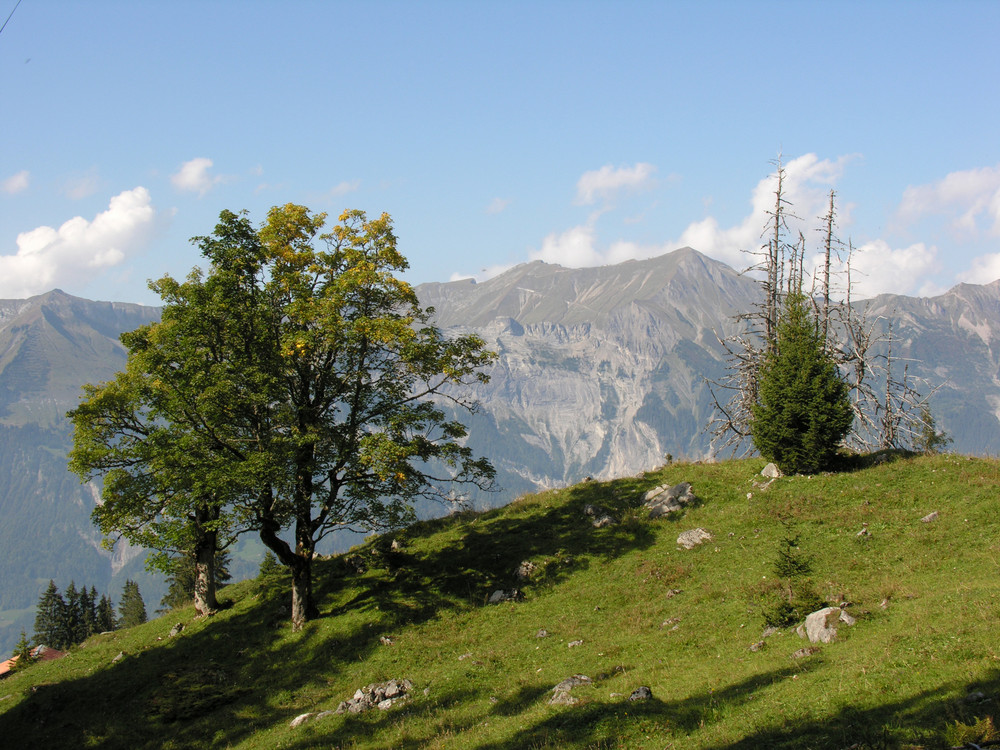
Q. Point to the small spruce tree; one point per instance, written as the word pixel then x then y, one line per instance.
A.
pixel 803 411
pixel 106 620
pixel 131 608
pixel 51 624
pixel 23 652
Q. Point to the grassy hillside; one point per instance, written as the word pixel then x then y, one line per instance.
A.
pixel 921 668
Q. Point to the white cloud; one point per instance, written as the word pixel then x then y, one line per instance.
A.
pixel 605 182
pixel 985 269
pixel 497 205
pixel 193 176
pixel 964 197
pixel 15 183
pixel 574 248
pixel 807 184
pixel 79 249
pixel 877 268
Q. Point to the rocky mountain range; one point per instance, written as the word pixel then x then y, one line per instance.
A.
pixel 601 372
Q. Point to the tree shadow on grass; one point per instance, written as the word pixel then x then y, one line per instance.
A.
pixel 228 677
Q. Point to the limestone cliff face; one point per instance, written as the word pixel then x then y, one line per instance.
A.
pixel 601 370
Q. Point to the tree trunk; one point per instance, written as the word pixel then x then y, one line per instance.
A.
pixel 303 607
pixel 206 542
pixel 299 563
pixel 204 583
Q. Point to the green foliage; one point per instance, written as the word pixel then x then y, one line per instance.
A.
pixel 929 439
pixel 294 384
pixel 131 608
pixel 51 627
pixel 804 410
pixel 106 619
pixel 24 653
pixel 791 596
pixel 269 565
pixel 61 622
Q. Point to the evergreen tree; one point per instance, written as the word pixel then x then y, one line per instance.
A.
pixel 88 602
pixel 804 410
pixel 184 575
pixel 23 652
pixel 75 627
pixel 51 627
pixel 269 565
pixel 105 615
pixel 131 608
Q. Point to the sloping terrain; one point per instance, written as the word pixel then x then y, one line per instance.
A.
pixel 602 373
pixel 623 605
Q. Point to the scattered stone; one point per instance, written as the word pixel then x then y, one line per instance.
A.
pixel 355 563
pixel 671 593
pixel 804 652
pixel 121 655
pixel 665 499
pixel 641 693
pixel 769 631
pixel 976 696
pixel 603 521
pixel 757 646
pixel 176 629
pixel 884 604
pixel 574 644
pixel 303 718
pixel 561 692
pixel 463 657
pixel 542 633
pixel 771 471
pixel 396 546
pixel 930 517
pixel 525 570
pixel 593 510
pixel 381 695
pixel 672 621
pixel 694 537
pixel 819 626
pixel 502 595
pixel 386 640
pixel 563 699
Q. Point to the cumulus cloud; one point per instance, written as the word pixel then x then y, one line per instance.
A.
pixel 878 268
pixel 969 199
pixel 985 269
pixel 807 184
pixel 194 177
pixel 79 249
pixel 604 183
pixel 15 183
pixel 575 247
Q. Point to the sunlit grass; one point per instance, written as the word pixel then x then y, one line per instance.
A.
pixel 681 622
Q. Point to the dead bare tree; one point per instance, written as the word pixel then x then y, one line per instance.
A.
pixel 889 409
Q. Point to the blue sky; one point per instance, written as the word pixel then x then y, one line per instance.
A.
pixel 496 133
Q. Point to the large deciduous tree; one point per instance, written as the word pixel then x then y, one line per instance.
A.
pixel 295 385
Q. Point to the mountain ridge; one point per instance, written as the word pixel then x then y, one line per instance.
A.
pixel 601 373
